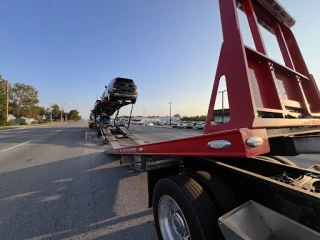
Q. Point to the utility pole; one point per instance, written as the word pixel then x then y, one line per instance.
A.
pixel 61 113
pixel 7 100
pixel 170 112
pixel 61 119
pixel 62 109
pixel 51 112
pixel 222 92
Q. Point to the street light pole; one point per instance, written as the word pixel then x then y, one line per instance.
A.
pixel 170 112
pixel 222 92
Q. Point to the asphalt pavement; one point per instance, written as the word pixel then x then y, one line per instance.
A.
pixel 56 184
pixel 158 133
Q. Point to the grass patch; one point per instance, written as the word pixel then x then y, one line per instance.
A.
pixel 7 128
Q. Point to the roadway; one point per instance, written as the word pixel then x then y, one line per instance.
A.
pixel 57 183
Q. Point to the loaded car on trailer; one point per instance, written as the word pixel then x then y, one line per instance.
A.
pixel 123 89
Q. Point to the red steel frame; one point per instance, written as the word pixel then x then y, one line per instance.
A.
pixel 255 84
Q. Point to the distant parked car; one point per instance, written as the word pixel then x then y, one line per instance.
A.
pixel 149 124
pixel 175 125
pixel 182 125
pixel 120 89
pixel 200 126
pixel 188 126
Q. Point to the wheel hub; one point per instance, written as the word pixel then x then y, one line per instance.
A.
pixel 179 225
pixel 171 220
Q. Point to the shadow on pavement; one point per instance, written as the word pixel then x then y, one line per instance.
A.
pixel 77 198
pixel 67 137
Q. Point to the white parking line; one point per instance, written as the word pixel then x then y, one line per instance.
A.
pixel 15 146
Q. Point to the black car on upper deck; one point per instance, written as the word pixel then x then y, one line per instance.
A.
pixel 120 89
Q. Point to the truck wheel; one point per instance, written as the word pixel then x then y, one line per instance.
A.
pixel 221 195
pixel 183 210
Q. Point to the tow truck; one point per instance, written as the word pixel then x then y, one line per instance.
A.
pixel 234 181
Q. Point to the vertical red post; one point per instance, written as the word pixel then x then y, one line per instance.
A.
pixel 269 80
pixel 283 46
pixel 234 66
pixel 309 86
pixel 253 24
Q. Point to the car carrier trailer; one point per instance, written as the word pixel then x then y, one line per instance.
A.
pixel 109 133
pixel 233 182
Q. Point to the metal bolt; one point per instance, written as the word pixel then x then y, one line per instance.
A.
pixel 254 141
pixel 219 144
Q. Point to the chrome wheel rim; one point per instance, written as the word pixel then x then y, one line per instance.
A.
pixel 173 224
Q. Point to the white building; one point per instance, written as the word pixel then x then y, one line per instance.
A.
pixel 11 118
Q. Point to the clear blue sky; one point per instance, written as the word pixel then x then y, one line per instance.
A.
pixel 69 50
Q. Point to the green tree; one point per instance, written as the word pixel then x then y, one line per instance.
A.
pixel 55 111
pixel 74 115
pixel 2 101
pixel 48 111
pixel 41 110
pixel 23 99
pixel 176 115
pixel 37 110
pixel 194 118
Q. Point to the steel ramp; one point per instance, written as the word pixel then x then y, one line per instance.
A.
pixel 130 135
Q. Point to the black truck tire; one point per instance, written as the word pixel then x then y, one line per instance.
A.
pixel 196 206
pixel 221 195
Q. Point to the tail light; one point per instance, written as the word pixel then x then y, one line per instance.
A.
pixel 135 88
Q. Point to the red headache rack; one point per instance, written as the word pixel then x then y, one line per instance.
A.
pixel 267 99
